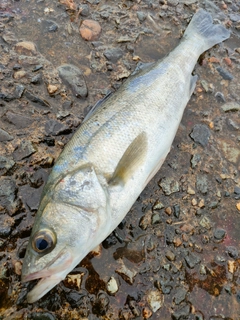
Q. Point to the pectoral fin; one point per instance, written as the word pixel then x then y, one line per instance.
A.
pixel 131 160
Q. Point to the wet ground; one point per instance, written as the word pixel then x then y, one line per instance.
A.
pixel 176 254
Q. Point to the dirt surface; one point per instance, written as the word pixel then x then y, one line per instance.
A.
pixel 176 254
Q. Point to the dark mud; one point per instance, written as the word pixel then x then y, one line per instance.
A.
pixel 176 254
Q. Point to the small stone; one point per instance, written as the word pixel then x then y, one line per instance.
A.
pixel 18 267
pixel 224 73
pixel 141 16
pixel 177 241
pixel 176 210
pixel 49 26
pixel 113 54
pixel 55 128
pixel 180 295
pixel 194 202
pixel 183 312
pixel 170 255
pixel 190 190
pixel 205 223
pixel 52 88
pixel 8 195
pixel 90 30
pixel 213 205
pixel 37 100
pixel 5 136
pixel 156 218
pixel 23 150
pixel 5 164
pixel 195 160
pixel 145 221
pixel 26 48
pixel 37 79
pixel 6 224
pixel 200 134
pixel 232 252
pixel 201 203
pixel 127 274
pixel 112 286
pixel 42 316
pixel 192 260
pixel 155 300
pixel 169 185
pixel 231 106
pixel 19 74
pixel 75 279
pixel 147 313
pixel 74 78
pixel 168 210
pixel 158 205
pixel 219 234
pixel 237 190
pixel 232 266
pixel 202 183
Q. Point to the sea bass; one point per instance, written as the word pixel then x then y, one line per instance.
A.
pixel 110 159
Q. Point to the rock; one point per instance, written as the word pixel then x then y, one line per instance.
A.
pixel 180 295
pixel 205 223
pixel 49 26
pixel 9 95
pixel 52 88
pixel 90 30
pixel 5 164
pixel 192 260
pixel 224 73
pixel 172 3
pixel 6 224
pixel 156 218
pixel 112 286
pixel 113 54
pixel 170 255
pixel 155 299
pixel 233 125
pixel 219 234
pixel 169 185
pixel 100 306
pixel 220 97
pixel 231 106
pixel 37 79
pixel 183 312
pixel 84 10
pixel 18 120
pixel 55 128
pixel 158 205
pixel 146 313
pixel 24 150
pixel 74 298
pixel 234 17
pixel 141 16
pixel 232 252
pixel 202 183
pixel 74 78
pixel 8 195
pixel 145 221
pixel 195 160
pixel 26 48
pixel 200 134
pixel 237 190
pixel 37 100
pixel 4 136
pixel 127 274
pixel 176 210
pixel 19 74
pixel 42 316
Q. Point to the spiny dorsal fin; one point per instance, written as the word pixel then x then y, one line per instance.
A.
pixel 132 158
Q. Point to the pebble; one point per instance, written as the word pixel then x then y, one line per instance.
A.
pixel 145 221
pixel 6 163
pixel 8 192
pixel 232 266
pixel 141 16
pixel 74 297
pixel 56 128
pixel 168 210
pixel 37 79
pixel 176 210
pixel 112 286
pixel 49 26
pixel 183 312
pixel 6 224
pixel 37 100
pixel 190 190
pixel 42 316
pixel 192 260
pixel 155 299
pixel 231 106
pixel 5 136
pixel 146 313
pixel 19 74
pixel 158 205
pixel 113 54
pixel 18 120
pixel 73 77
pixel 232 252
pixel 100 306
pixel 238 206
pixel 202 183
pixel 195 160
pixel 180 295
pixel 224 73
pixel 127 274
pixel 52 88
pixel 201 203
pixel 201 134
pixel 156 218
pixel 169 185
pixel 90 30
pixel 23 150
pixel 170 255
pixel 84 10
pixel 219 234
pixel 220 97
pixel 205 223
pixel 26 48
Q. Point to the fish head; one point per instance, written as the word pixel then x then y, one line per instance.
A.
pixel 71 221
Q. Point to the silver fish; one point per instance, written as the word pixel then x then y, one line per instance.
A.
pixel 110 159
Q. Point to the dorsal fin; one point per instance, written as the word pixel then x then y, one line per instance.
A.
pixel 132 158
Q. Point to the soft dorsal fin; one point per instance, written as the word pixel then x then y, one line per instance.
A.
pixel 132 158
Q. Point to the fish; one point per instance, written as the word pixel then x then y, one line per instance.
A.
pixel 115 152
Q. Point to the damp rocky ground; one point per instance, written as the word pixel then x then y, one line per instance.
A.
pixel 176 254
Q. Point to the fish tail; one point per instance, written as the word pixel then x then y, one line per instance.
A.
pixel 202 28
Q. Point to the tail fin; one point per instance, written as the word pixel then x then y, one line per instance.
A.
pixel 202 27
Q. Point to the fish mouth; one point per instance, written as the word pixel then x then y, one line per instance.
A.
pixel 55 271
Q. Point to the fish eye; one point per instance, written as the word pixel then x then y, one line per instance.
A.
pixel 44 241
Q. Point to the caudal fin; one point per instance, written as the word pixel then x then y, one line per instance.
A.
pixel 202 28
